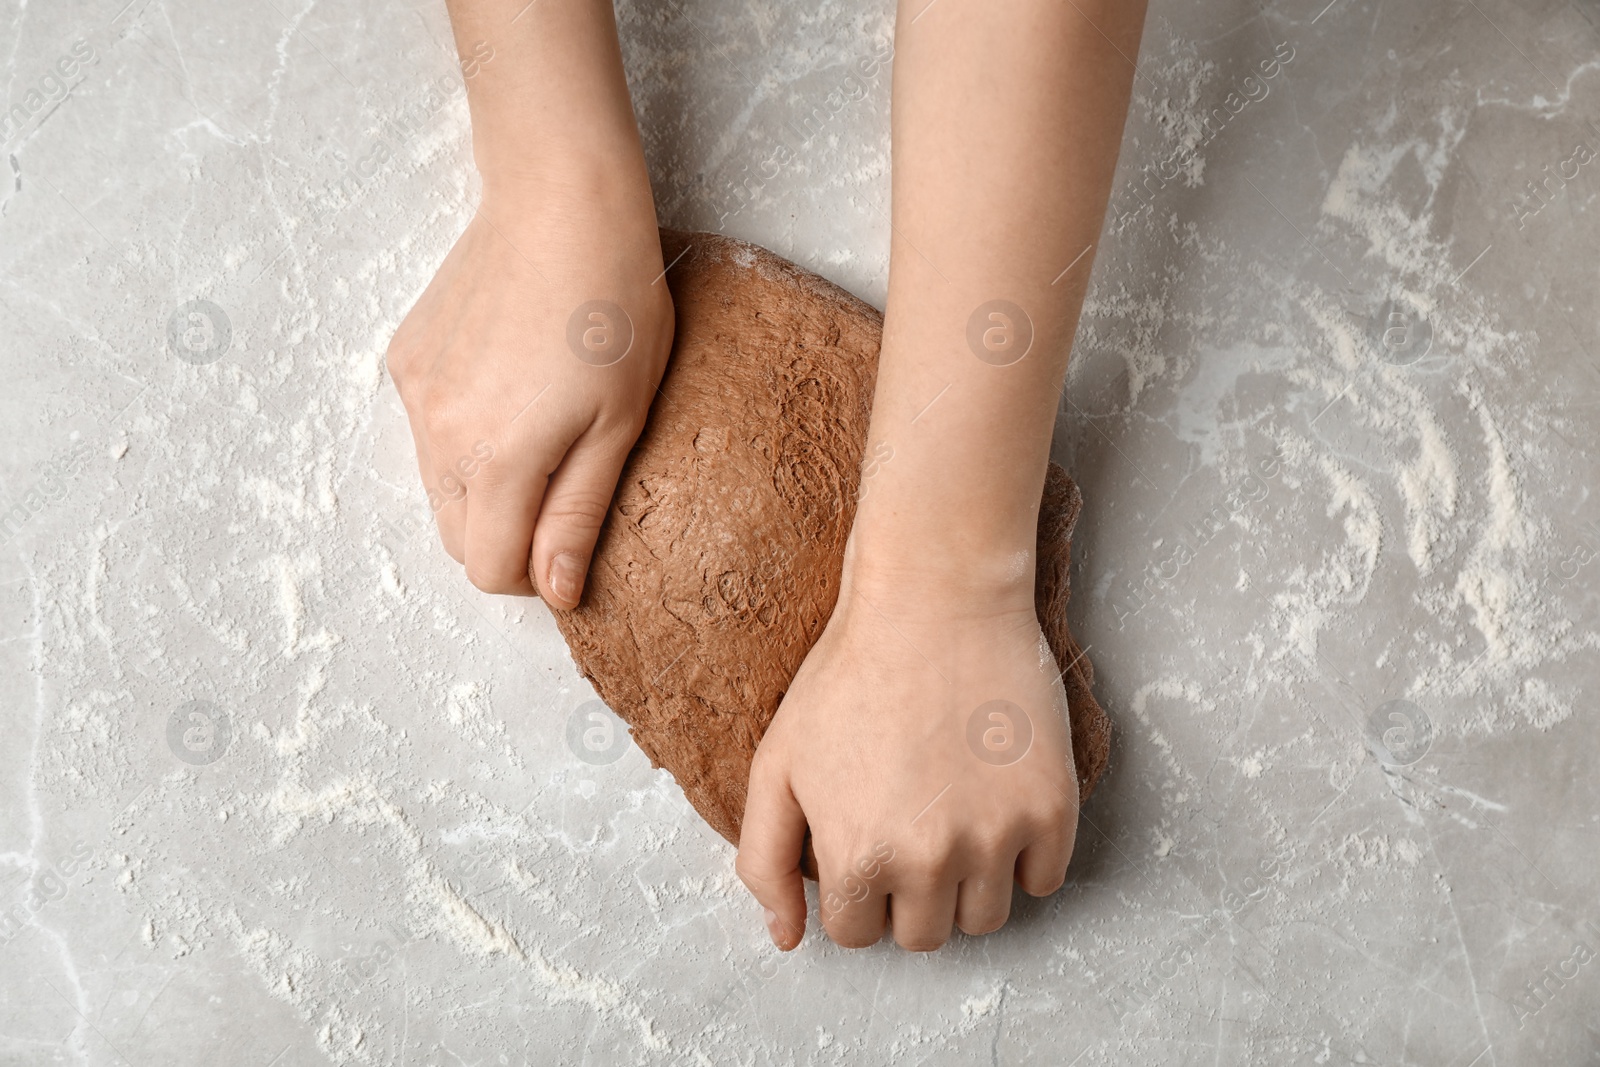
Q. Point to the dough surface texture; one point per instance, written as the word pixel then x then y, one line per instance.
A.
pixel 719 563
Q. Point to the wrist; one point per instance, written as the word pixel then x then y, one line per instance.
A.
pixel 927 519
pixel 591 178
pixel 939 568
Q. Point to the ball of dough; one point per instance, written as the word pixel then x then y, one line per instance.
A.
pixel 719 563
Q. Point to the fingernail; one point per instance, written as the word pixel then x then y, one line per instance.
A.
pixel 566 577
pixel 773 926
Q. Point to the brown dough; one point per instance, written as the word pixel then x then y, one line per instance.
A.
pixel 719 563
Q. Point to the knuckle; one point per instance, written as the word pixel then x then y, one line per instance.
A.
pixel 1048 817
pixel 852 934
pixel 1040 885
pixel 980 925
pixel 578 507
pixel 491 581
pixel 931 865
pixel 400 360
pixel 767 771
pixel 1060 808
pixel 757 873
pixel 990 841
pixel 617 427
pixel 922 941
pixel 1042 877
pixel 751 872
pixel 438 417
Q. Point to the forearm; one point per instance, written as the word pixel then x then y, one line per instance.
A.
pixel 547 93
pixel 1007 117
pixel 563 241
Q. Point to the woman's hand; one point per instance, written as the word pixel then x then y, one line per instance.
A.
pixel 527 368
pixel 925 739
pixel 529 364
pixel 925 742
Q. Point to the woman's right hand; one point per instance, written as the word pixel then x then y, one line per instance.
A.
pixel 527 369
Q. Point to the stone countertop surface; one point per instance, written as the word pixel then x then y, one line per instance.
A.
pixel 279 787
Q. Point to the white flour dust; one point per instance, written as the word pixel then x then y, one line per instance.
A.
pixel 1410 473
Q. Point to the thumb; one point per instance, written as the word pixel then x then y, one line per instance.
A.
pixel 576 501
pixel 770 842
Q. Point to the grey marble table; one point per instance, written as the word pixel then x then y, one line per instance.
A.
pixel 278 787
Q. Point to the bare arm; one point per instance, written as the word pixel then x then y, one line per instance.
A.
pixel 1007 121
pixel 552 102
pixel 1007 118
pixel 520 431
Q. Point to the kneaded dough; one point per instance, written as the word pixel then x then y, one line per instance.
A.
pixel 719 563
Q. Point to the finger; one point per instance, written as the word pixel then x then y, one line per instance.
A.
pixel 769 852
pixel 1042 866
pixel 983 901
pixel 808 859
pixel 924 913
pixel 575 505
pixel 447 495
pixel 429 473
pixel 852 900
pixel 501 510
